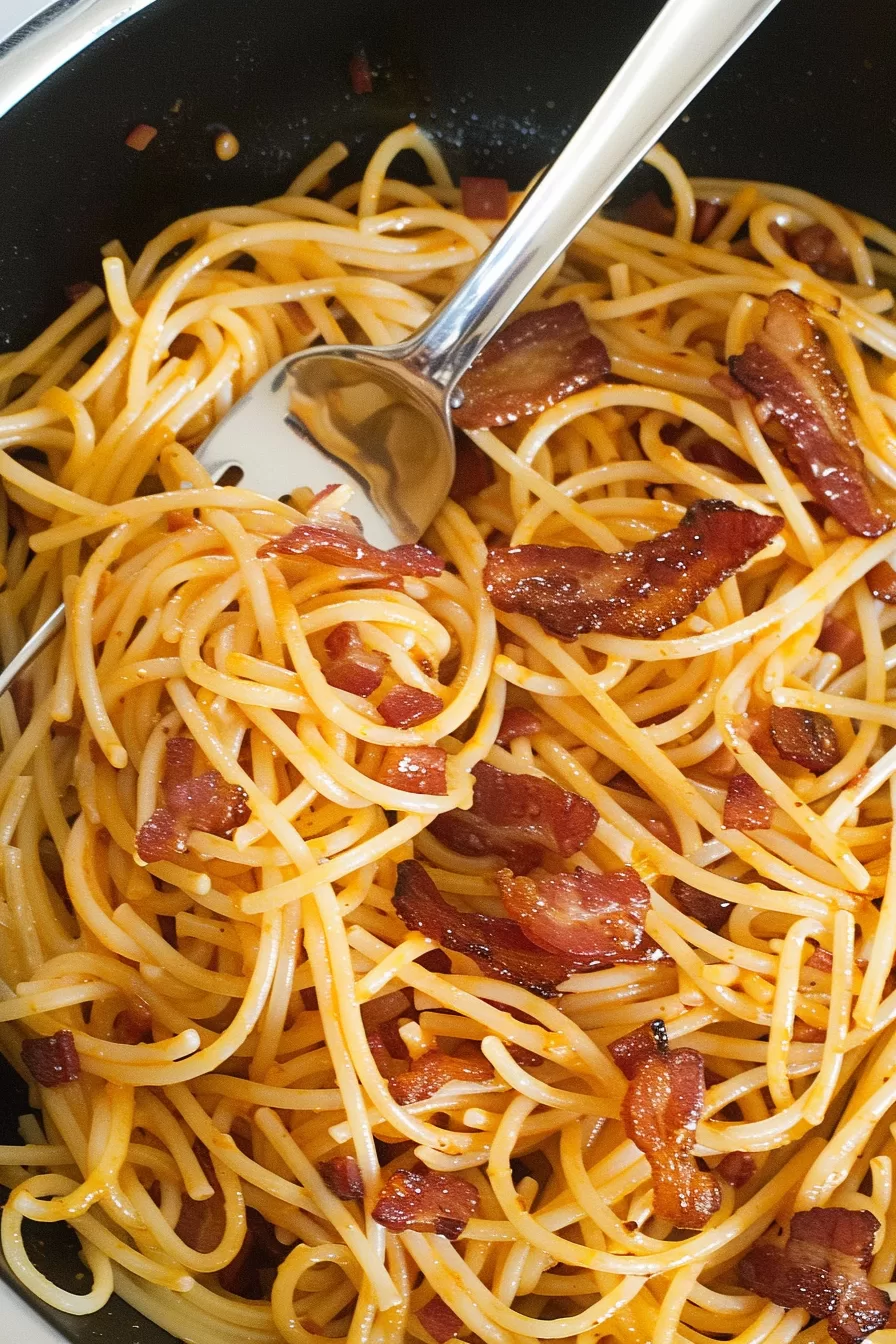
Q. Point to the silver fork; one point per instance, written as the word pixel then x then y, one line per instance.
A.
pixel 380 419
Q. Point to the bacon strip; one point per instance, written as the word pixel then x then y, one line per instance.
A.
pixel 595 915
pixel 201 803
pixel 498 946
pixel 433 1070
pixel 406 706
pixel 343 1176
pixel 710 910
pixel 516 818
pixel 804 736
pixel 337 546
pixel 823 1268
pixel 788 369
pixel 747 805
pixel 439 1320
pixel 517 722
pixel 352 667
pixel 536 361
pixel 427 1201
pixel 414 769
pixel 52 1060
pixel 660 1111
pixel 631 1051
pixel 571 590
pixel 484 197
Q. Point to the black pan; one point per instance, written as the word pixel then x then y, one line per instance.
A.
pixel 808 101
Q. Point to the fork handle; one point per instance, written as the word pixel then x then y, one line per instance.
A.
pixel 43 636
pixel 684 47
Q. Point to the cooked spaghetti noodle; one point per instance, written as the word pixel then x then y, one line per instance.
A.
pixel 218 1000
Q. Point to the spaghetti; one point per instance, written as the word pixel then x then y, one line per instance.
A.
pixel 264 942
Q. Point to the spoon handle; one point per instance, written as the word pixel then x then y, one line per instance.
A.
pixel 684 47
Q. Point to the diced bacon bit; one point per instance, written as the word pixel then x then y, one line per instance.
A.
pixel 141 136
pixel 882 582
pixel 843 639
pixel 352 667
pixel 823 1268
pixel 432 1070
pixel 737 1168
pixel 709 452
pixel 806 1033
pixel 707 216
pixel 819 247
pixel 649 212
pixel 250 1272
pixel 406 706
pixel 724 383
pixel 631 1051
pixel 204 803
pixel 202 1221
pixel 359 73
pixel 484 197
pixel 473 469
pixel 747 805
pixel 821 960
pixel 415 769
pixel 133 1025
pixel 516 818
pixel 572 590
pixel 789 370
pixel 517 722
pixel 52 1060
pixel 76 291
pixel 595 915
pixel 427 1201
pixel 439 1320
pixel 536 361
pixel 660 1111
pixel 184 345
pixel 178 519
pixel 498 946
pixel 343 1176
pixel 805 737
pixel 527 1059
pixel 700 905
pixel 337 546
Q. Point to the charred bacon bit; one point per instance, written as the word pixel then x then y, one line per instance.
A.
pixel 737 1169
pixel 824 1269
pixel 141 136
pixel 352 667
pixel 573 590
pixel 343 1176
pixel 709 452
pixel 844 640
pixel 202 803
pixel 251 1271
pixel 700 905
pixel 882 582
pixel 406 706
pixel 660 1111
pixel 359 73
pixel 649 212
pixel 439 1320
pixel 536 361
pixel 821 960
pixel 414 769
pixel 52 1060
pixel 484 197
pixel 426 1201
pixel 819 247
pixel 133 1025
pixel 337 546
pixel 706 218
pixel 788 370
pixel 631 1051
pixel 516 818
pixel 747 805
pixel 805 737
pixel 432 1070
pixel 517 722
pixel 161 837
pixel 498 946
pixel 595 915
pixel 473 469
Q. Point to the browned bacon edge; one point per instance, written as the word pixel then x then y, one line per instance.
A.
pixel 634 1049
pixel 805 737
pixel 343 1176
pixel 192 803
pixel 432 1070
pixel 338 546
pixel 747 805
pixel 709 910
pixel 427 1201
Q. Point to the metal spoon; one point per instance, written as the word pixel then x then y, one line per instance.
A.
pixel 380 419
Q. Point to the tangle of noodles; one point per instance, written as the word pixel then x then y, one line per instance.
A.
pixel 253 952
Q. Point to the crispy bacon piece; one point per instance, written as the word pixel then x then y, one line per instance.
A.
pixel 141 136
pixel 202 803
pixel 517 722
pixel 338 546
pixel 484 197
pixel 747 805
pixel 660 1111
pixel 536 361
pixel 724 383
pixel 821 960
pixel 359 73
pixel 406 706
pixel 819 247
pixel 414 769
pixel 706 218
pixel 844 640
pixel 789 371
pixel 631 1051
pixel 595 915
pixel 709 452
pixel 133 1025
pixel 498 946
pixel 426 1201
pixel 250 1272
pixel 52 1060
pixel 571 590
pixel 710 910
pixel 343 1176
pixel 882 582
pixel 433 1070
pixel 805 737
pixel 473 469
pixel 737 1168
pixel 435 960
pixel 516 817
pixel 823 1268
pixel 177 519
pixel 352 667
pixel 649 212
pixel 202 1221
pixel 439 1320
